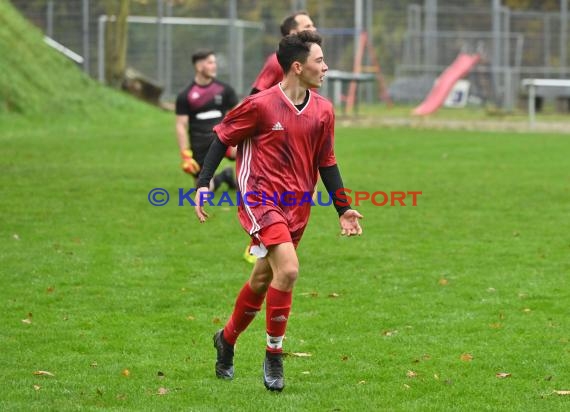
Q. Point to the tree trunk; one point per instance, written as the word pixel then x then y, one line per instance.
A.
pixel 116 41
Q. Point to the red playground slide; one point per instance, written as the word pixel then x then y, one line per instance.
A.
pixel 443 85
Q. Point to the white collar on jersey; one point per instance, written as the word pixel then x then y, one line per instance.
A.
pixel 293 104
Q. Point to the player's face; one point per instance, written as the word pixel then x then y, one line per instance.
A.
pixel 207 67
pixel 314 69
pixel 303 23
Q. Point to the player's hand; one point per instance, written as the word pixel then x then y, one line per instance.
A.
pixel 189 165
pixel 349 225
pixel 199 208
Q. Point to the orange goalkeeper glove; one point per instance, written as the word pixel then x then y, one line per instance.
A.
pixel 189 165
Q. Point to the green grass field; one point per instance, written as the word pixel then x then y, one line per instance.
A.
pixel 433 300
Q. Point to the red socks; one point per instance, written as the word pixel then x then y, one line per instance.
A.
pixel 248 303
pixel 278 306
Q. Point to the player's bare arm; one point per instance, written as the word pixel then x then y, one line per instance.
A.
pixel 182 131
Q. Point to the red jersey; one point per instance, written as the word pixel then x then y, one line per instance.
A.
pixel 270 74
pixel 280 149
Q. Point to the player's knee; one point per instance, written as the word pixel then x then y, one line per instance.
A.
pixel 289 273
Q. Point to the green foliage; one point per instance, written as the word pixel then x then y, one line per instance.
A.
pixel 539 5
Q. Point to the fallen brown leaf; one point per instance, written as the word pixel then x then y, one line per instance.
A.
pixel 496 325
pixel 216 321
pixel 411 374
pixel 126 372
pixel 466 357
pixel 50 289
pixel 443 282
pixel 300 354
pixel 43 373
pixel 503 375
pixel 162 391
pixel 344 358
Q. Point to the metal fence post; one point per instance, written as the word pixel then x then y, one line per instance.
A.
pixel 168 54
pixel 368 27
pixel 101 48
pixel 509 96
pixel 430 33
pixel 159 42
pixel 358 24
pixel 85 30
pixel 232 34
pixel 49 19
pixel 563 33
pixel 496 57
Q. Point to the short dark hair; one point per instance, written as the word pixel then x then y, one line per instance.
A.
pixel 289 23
pixel 201 54
pixel 296 47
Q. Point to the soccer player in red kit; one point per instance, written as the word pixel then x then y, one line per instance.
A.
pixel 272 73
pixel 284 137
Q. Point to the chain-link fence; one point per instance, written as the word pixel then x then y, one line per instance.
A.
pixel 513 44
pixel 160 46
pixel 415 40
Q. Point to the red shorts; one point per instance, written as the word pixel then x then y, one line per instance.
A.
pixel 272 235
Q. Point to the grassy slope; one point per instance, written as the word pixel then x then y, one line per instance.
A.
pixel 37 80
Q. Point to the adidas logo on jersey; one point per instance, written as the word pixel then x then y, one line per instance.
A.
pixel 277 126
